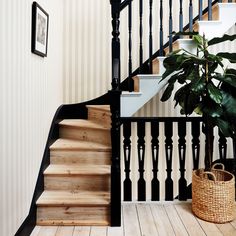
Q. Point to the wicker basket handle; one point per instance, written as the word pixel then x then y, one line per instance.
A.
pixel 218 164
pixel 211 174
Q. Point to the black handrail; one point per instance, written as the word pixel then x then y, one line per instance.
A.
pixel 124 4
pixel 144 65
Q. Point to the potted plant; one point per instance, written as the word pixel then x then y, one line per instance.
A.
pixel 206 87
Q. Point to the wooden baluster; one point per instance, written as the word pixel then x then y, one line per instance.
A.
pixel 181 15
pixel 170 27
pixel 200 9
pixel 209 10
pixel 182 156
pixel 195 128
pixel 169 149
pixel 115 44
pixel 127 153
pixel 161 29
pixel 150 36
pixel 190 16
pixel 141 157
pixel 155 156
pixel 222 146
pixel 140 35
pixel 130 46
pixel 115 118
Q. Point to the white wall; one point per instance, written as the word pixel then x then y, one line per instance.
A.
pixel 30 92
pixel 87 34
pixel 87 44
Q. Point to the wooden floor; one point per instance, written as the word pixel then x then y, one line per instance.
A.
pixel 148 219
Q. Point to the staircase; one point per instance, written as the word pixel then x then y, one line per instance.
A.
pixel 147 86
pixel 81 184
pixel 77 181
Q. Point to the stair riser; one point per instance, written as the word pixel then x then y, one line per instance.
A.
pixel 73 215
pixel 80 157
pixel 85 134
pixel 101 117
pixel 77 183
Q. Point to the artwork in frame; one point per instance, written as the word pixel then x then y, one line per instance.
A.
pixel 40 19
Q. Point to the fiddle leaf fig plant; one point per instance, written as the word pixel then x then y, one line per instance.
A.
pixel 207 86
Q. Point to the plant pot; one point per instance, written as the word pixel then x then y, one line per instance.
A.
pixel 213 195
pixel 230 165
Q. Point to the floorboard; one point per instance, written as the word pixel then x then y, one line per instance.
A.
pixel 148 219
pixel 131 223
pixel 177 224
pixel 65 231
pixel 191 224
pixel 227 229
pixel 36 231
pixel 81 231
pixel 98 231
pixel 48 231
pixel 161 220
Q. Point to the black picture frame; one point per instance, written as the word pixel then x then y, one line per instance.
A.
pixel 39 38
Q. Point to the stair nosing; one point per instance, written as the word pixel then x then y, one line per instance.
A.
pixel 98 147
pixel 47 201
pixel 96 107
pixel 51 170
pixel 83 126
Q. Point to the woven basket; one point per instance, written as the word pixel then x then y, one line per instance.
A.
pixel 213 195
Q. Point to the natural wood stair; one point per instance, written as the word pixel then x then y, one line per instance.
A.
pixel 86 130
pixel 77 181
pixel 74 198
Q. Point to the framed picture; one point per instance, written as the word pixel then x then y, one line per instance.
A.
pixel 40 19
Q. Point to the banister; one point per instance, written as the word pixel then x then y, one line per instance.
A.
pixel 124 4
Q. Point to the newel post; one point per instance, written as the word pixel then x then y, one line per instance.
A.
pixel 115 117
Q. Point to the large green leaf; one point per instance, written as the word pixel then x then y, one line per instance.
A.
pixel 227 55
pixel 180 94
pixel 198 85
pixel 229 103
pixel 198 39
pixel 230 71
pixel 212 109
pixel 191 102
pixel 224 127
pixel 167 93
pixel 198 110
pixel 227 78
pixel 214 93
pixel 224 38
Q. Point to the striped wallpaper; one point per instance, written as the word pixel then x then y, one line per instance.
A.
pixel 30 92
pixel 77 69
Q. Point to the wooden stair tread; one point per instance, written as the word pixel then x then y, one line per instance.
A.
pixel 80 123
pixel 73 222
pixel 74 198
pixel 100 107
pixel 71 144
pixel 70 170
